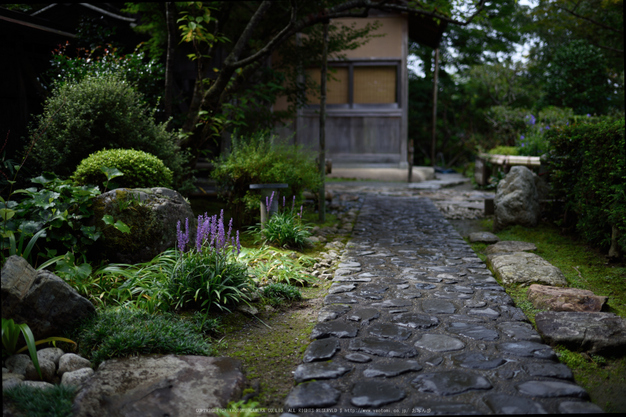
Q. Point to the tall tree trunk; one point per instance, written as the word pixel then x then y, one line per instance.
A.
pixel 170 19
pixel 322 154
pixel 434 134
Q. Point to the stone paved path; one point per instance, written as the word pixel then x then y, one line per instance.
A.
pixel 414 323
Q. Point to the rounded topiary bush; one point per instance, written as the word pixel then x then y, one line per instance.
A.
pixel 140 169
pixel 81 118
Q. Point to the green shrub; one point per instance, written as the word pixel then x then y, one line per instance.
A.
pixel 587 165
pixel 263 159
pixel 140 169
pixel 503 150
pixel 276 293
pixel 122 332
pixel 55 401
pixel 533 142
pixel 99 113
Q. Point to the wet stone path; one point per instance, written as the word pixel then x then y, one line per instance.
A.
pixel 415 323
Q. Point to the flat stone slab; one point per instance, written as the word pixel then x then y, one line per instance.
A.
pixel 389 331
pixel 592 332
pixel 549 389
pixel 525 268
pixel 382 347
pixel 545 297
pixel 160 385
pixel 483 237
pixel 333 328
pixel 450 382
pixel 527 349
pixel 319 370
pixel 473 331
pixel 476 360
pixel 311 394
pixel 375 394
pixel 439 343
pixel 416 320
pixel 390 369
pixel 510 246
pixel 321 350
pixel 509 404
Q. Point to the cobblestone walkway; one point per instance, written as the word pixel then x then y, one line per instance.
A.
pixel 414 323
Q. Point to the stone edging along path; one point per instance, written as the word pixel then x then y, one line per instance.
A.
pixel 415 323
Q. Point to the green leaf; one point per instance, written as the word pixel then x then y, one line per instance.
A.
pixel 121 226
pixel 111 172
pixel 6 214
pixel 108 219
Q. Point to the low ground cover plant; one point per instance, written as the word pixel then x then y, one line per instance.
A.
pixel 123 332
pixel 277 293
pixel 42 402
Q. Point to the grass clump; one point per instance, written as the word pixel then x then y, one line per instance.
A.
pixel 55 401
pixel 121 332
pixel 277 293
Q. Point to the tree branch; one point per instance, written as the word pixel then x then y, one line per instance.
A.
pixel 588 19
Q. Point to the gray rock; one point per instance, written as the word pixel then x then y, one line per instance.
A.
pixel 527 349
pixel 71 362
pixel 319 370
pixel 476 360
pixel 517 199
pixel 364 315
pixel 53 354
pixel 557 370
pixel 545 297
pixel 10 380
pixel 578 407
pixel 160 385
pixel 525 268
pixel 40 299
pixel 77 378
pixel 450 382
pixel 319 350
pixel 389 369
pixel 483 237
pixel 331 312
pixel 311 394
pixel 434 306
pixel 510 246
pixel 47 368
pixel 509 404
pixel 17 364
pixel 416 320
pixel 549 389
pixel 38 384
pixel 375 394
pixel 333 328
pixel 358 358
pixel 382 347
pixel 473 331
pixel 519 331
pixel 153 222
pixel 593 332
pixel 439 343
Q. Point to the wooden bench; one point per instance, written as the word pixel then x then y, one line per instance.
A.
pixel 482 171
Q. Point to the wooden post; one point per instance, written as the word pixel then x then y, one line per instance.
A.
pixel 434 136
pixel 322 154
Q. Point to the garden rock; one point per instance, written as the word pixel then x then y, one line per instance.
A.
pixel 52 354
pixel 517 199
pixel 10 380
pixel 47 367
pixel 483 237
pixel 525 268
pixel 40 299
pixel 564 299
pixel 71 362
pixel 16 364
pixel 77 378
pixel 510 246
pixel 160 385
pixel 592 332
pixel 151 213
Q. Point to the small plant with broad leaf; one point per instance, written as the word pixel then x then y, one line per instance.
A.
pixel 11 333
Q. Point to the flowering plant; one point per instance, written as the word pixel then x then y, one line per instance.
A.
pixel 208 274
pixel 532 142
pixel 284 228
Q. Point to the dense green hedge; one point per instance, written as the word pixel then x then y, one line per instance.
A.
pixel 587 163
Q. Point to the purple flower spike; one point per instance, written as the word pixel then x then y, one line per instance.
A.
pixel 238 244
pixel 300 215
pixel 268 206
pixel 283 201
pixel 182 238
pixel 294 203
pixel 199 233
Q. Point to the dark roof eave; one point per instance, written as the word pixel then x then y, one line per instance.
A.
pixel 39 27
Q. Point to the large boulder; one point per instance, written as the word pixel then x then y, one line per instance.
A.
pixel 517 199
pixel 593 332
pixel 40 299
pixel 525 268
pixel 160 386
pixel 152 215
pixel 546 297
